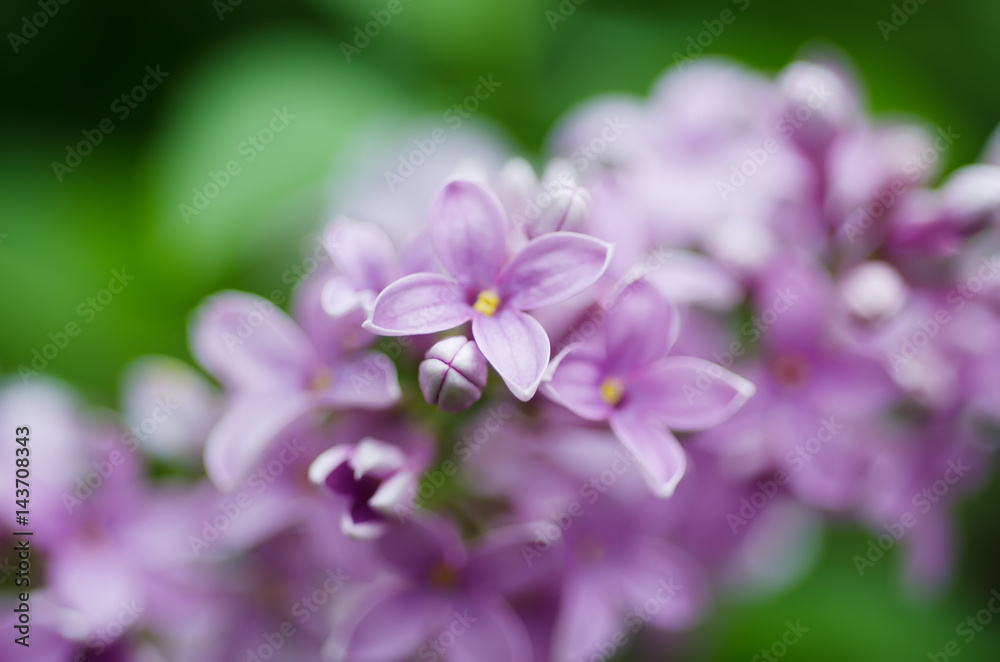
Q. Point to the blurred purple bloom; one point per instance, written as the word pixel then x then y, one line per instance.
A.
pixel 275 376
pixel 438 601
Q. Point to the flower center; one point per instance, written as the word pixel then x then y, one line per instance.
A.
pixel 612 391
pixel 591 550
pixel 791 369
pixel 487 303
pixel 443 576
pixel 322 381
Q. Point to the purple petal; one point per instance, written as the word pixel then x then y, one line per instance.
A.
pixel 367 380
pixel 496 634
pixel 363 252
pixel 417 304
pixel 377 457
pixel 331 334
pixel 930 554
pixel 668 575
pixel 327 470
pixel 248 343
pixel 641 328
pixel 574 381
pixel 498 562
pixel 394 492
pixel 389 629
pixel 468 230
pixel 516 346
pixel 339 297
pixel 417 547
pixel 685 277
pixel 589 616
pixel 688 393
pixel 249 426
pixel 660 455
pixel 553 268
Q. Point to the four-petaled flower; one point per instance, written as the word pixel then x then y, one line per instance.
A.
pixel 627 379
pixel 468 231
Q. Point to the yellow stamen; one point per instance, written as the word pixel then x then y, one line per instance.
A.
pixel 612 391
pixel 487 303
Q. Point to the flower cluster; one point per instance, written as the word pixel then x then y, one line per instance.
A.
pixel 520 417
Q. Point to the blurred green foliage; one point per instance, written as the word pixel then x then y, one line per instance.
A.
pixel 230 68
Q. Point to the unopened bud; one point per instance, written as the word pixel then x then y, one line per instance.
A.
pixel 567 211
pixel 453 374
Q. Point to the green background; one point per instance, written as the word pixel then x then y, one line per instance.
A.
pixel 60 240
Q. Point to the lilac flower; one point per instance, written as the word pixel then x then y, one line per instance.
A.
pixel 468 230
pixel 627 379
pixel 438 601
pixel 872 345
pixel 375 477
pixel 614 573
pixel 276 377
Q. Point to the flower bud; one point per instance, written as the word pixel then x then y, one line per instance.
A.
pixel 453 374
pixel 874 290
pixel 567 209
